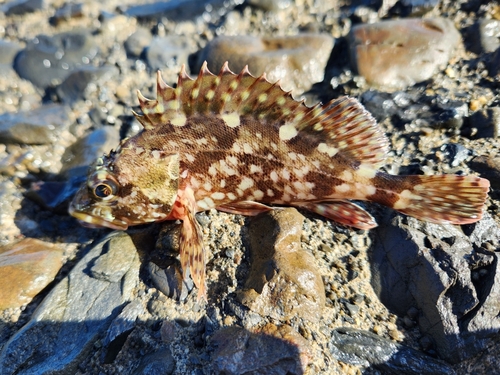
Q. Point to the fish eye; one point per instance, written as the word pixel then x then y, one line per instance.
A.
pixel 105 189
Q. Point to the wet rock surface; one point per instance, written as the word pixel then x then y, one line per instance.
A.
pixel 288 292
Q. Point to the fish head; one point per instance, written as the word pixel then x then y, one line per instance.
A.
pixel 127 187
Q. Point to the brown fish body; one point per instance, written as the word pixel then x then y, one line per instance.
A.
pixel 238 144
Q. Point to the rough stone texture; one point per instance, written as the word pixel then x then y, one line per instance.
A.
pixel 283 282
pixel 399 53
pixel 448 276
pixel 488 168
pixel 298 62
pixel 73 315
pixel 275 350
pixel 485 123
pixel 365 348
pixel 25 269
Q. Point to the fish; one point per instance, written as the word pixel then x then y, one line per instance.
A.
pixel 241 144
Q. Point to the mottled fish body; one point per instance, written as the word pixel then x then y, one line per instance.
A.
pixel 238 143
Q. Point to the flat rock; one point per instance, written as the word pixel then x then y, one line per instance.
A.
pixel 273 350
pixel 297 61
pixel 169 51
pixel 398 53
pixel 447 275
pixel 364 348
pixel 484 36
pixel 74 314
pixel 283 281
pixel 48 60
pixel 27 267
pixel 20 7
pixel 38 126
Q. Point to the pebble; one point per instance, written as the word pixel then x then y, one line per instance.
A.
pixel 48 60
pixel 86 150
pixel 413 8
pixel 484 36
pixel 137 42
pixel 8 52
pixel 399 53
pixel 283 282
pixel 167 52
pixel 159 362
pixel 66 12
pixel 21 7
pixel 26 267
pixel 169 281
pixel 74 85
pixel 488 167
pixel 270 5
pixel 296 61
pixel 75 313
pixel 274 350
pixel 38 126
pixel 484 123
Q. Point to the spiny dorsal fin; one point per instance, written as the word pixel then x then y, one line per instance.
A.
pixel 342 125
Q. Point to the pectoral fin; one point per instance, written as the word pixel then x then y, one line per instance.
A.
pixel 341 211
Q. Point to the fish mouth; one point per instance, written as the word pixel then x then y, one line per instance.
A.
pixel 89 221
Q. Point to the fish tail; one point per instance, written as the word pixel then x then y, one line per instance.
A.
pixel 443 198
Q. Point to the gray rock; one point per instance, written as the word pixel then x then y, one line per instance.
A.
pixel 38 126
pixel 430 266
pixel 484 124
pixel 484 36
pixel 398 53
pixel 85 151
pixel 270 4
pixel 20 7
pixel 168 51
pixel 48 60
pixel 8 52
pixel 72 316
pixel 67 12
pixel 73 87
pixel 137 42
pixel 488 168
pixel 275 350
pixel 366 349
pixel 297 61
pixel 159 362
pixel 413 8
pixel 170 282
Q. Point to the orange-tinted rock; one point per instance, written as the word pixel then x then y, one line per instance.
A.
pixel 25 269
pixel 283 282
pixel 297 61
pixel 399 53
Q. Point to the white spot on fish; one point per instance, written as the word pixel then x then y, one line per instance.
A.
pixel 258 194
pixel 246 183
pixel 179 120
pixel 255 168
pixel 207 186
pixel 231 119
pixel 222 183
pixel 346 176
pixel 329 150
pixel 190 158
pixel 287 132
pixel 366 171
pixel 343 188
pixel 218 196
pixel 274 176
pixel 247 149
pixel 231 196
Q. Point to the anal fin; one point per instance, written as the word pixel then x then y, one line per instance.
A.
pixel 247 208
pixel 341 211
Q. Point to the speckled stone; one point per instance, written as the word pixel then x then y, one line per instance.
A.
pixel 297 61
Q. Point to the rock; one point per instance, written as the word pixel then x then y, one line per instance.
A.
pixel 38 126
pixel 274 350
pixel 73 87
pixel 20 7
pixel 297 61
pixel 398 53
pixel 413 8
pixel 10 203
pixel 48 60
pixel 169 281
pixel 67 12
pixel 8 52
pixel 488 168
pixel 484 36
pixel 484 123
pixel 182 10
pixel 119 330
pixel 283 282
pixel 170 51
pixel 137 42
pixel 431 267
pixel 74 314
pixel 26 268
pixel 159 362
pixel 270 4
pixel 494 65
pixel 86 150
pixel 364 348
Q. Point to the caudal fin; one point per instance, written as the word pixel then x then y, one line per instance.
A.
pixel 445 199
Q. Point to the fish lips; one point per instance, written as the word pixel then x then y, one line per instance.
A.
pixel 90 221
